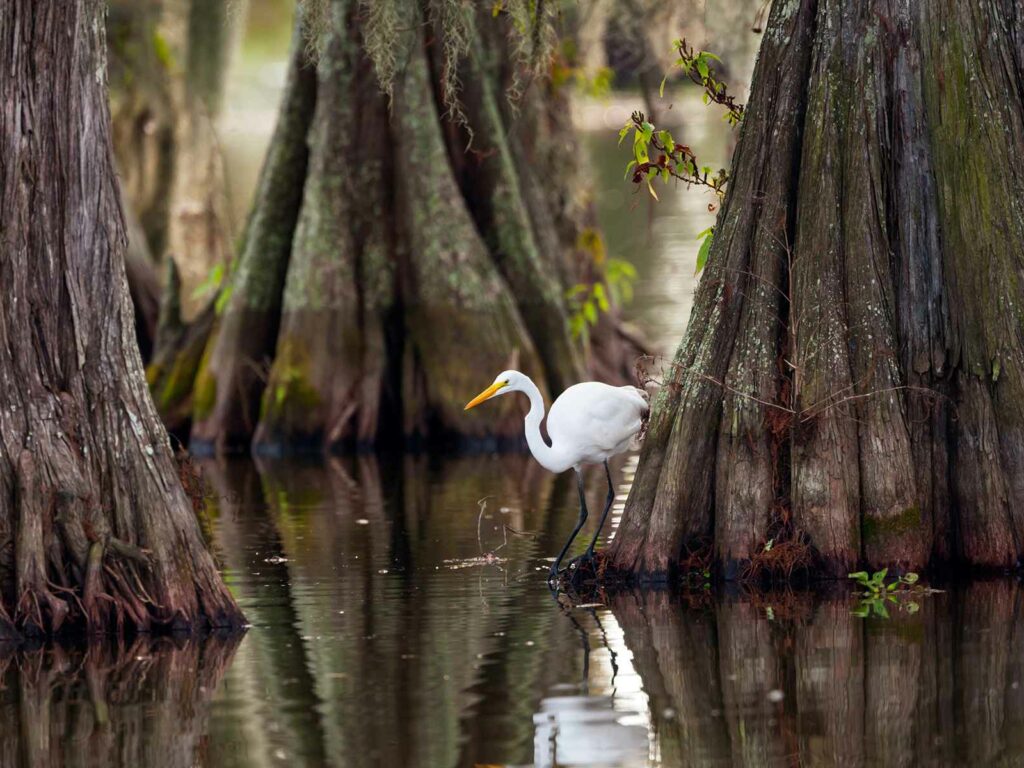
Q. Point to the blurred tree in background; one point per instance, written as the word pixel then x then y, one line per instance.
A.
pixel 417 225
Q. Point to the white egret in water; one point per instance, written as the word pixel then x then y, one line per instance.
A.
pixel 588 424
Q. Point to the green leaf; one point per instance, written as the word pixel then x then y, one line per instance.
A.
pixel 640 142
pixel 650 188
pixel 590 312
pixel 702 68
pixel 911 578
pixel 709 55
pixel 222 299
pixel 859 575
pixel 702 254
pixel 600 296
pixel 661 89
pixel 666 138
pixel 627 269
pixel 576 323
pixel 213 280
pixel 629 167
pixel 624 132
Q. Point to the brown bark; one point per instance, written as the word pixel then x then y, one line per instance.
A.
pixel 851 375
pixel 84 460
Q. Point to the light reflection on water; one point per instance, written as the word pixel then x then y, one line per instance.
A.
pixel 388 631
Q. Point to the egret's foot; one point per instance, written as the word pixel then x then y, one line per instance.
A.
pixel 585 563
pixel 555 576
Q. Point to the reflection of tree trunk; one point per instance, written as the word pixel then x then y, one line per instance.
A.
pixel 829 661
pixel 861 288
pixel 750 668
pixel 272 666
pixel 940 686
pixel 145 704
pixel 94 524
pixel 984 618
pixel 675 653
pixel 892 689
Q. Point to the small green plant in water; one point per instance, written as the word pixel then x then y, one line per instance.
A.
pixel 876 595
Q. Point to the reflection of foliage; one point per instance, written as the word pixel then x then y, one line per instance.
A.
pixel 876 593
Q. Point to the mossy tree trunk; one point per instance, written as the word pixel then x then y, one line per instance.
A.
pixel 408 272
pixel 96 531
pixel 852 376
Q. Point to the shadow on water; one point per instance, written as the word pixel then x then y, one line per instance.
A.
pixel 400 617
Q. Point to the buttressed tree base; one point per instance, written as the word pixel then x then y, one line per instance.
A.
pixel 852 377
pixel 96 531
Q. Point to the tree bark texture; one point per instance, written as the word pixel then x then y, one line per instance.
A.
pixel 409 270
pixel 95 528
pixel 852 376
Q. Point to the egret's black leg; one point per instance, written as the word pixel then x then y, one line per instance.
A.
pixel 576 530
pixel 607 507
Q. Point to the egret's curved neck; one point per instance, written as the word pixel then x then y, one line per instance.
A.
pixel 546 455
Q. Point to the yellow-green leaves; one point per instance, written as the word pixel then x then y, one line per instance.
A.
pixel 708 236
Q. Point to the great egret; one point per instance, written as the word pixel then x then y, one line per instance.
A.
pixel 588 424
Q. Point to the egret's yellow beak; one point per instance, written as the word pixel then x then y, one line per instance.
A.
pixel 487 394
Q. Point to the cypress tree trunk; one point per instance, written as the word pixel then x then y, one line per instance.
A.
pixel 95 527
pixel 408 269
pixel 853 371
pixel 199 232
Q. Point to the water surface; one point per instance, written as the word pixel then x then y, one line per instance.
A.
pixel 400 617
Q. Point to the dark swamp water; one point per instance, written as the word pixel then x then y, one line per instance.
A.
pixel 400 617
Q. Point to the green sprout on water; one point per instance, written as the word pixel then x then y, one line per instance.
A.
pixel 877 594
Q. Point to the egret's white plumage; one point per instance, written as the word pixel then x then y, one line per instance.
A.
pixel 588 424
